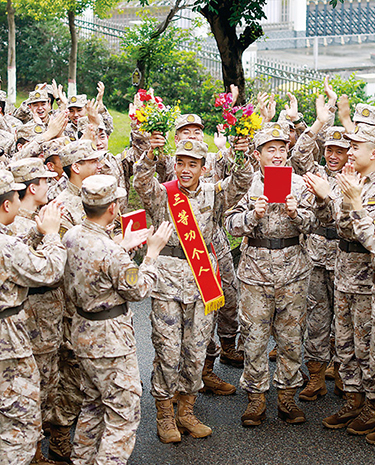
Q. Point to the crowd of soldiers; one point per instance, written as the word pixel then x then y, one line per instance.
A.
pixel 305 275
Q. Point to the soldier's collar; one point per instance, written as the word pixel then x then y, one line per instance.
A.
pixel 73 189
pixel 5 230
pixel 95 227
pixel 191 194
pixel 30 215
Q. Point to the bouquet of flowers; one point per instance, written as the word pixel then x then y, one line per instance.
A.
pixel 239 121
pixel 150 114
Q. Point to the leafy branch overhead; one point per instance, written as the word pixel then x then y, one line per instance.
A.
pixel 334 2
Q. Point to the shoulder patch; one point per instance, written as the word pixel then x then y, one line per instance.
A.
pixel 218 187
pixel 131 276
pixel 219 155
pixel 62 231
pixel 254 199
pixel 123 155
pixel 205 209
pixel 371 201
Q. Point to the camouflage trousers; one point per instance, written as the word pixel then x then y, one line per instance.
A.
pixel 69 396
pixel 48 366
pixel 319 315
pixel 20 418
pixel 281 312
pixel 227 316
pixel 110 413
pixel 353 333
pixel 180 335
pixel 371 394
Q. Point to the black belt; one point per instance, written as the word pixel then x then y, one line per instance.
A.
pixel 10 311
pixel 39 290
pixel 104 314
pixel 273 243
pixel 328 233
pixel 354 246
pixel 178 251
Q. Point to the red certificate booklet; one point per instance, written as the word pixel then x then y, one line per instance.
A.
pixel 277 183
pixel 139 220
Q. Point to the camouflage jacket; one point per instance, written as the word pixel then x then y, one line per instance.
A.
pixel 208 202
pixel 56 186
pixel 21 267
pixel 73 209
pixel 100 275
pixel 259 265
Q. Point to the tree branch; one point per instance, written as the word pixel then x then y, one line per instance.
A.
pixel 250 35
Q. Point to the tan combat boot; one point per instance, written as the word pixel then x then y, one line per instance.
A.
pixel 351 409
pixel 365 422
pixel 229 354
pixel 213 383
pixel 186 421
pixel 287 407
pixel 316 387
pixel 255 411
pixel 370 438
pixel 41 460
pixel 330 370
pixel 273 354
pixel 166 424
pixel 60 446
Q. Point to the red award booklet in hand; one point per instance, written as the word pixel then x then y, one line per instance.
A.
pixel 277 183
pixel 139 220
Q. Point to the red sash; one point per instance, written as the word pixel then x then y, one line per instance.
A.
pixel 194 247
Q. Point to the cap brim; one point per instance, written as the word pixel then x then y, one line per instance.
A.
pixel 121 192
pixel 17 186
pixel 49 174
pixel 355 138
pixel 75 105
pixel 189 124
pixel 189 154
pixel 337 143
pixel 36 101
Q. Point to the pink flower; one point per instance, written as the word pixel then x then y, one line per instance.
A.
pixel 248 110
pixel 158 99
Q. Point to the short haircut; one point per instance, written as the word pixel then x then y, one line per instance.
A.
pixel 7 196
pixel 68 170
pixel 21 141
pixel 50 159
pixel 22 192
pixel 96 211
pixel 2 106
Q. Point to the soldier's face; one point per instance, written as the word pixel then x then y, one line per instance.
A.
pixel 89 168
pixel 40 192
pixel 274 153
pixel 336 157
pixel 41 110
pixel 362 155
pixel 75 113
pixel 188 171
pixel 191 131
pixel 102 140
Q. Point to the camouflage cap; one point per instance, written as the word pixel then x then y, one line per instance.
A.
pixel 37 96
pixel 364 114
pixel 335 136
pixel 84 122
pixel 7 183
pixel 29 131
pixel 78 101
pixel 101 189
pixel 192 148
pixel 362 133
pixel 186 120
pixel 54 146
pixel 3 96
pixel 285 119
pixel 47 87
pixel 79 150
pixel 6 141
pixel 28 169
pixel 272 131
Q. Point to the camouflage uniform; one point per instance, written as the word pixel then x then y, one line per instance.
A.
pixel 69 399
pixel 353 290
pixel 49 149
pixel 180 330
pixel 105 347
pixel 276 278
pixel 322 250
pixel 21 267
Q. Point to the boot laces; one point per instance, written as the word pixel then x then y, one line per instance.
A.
pixel 347 407
pixel 214 378
pixel 290 404
pixel 253 405
pixel 366 413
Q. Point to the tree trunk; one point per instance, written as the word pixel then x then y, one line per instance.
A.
pixel 230 46
pixel 12 85
pixel 72 77
pixel 142 69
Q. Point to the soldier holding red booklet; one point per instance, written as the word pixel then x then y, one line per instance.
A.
pixel 273 273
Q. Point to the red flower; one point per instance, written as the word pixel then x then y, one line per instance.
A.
pixel 143 95
pixel 158 99
pixel 231 119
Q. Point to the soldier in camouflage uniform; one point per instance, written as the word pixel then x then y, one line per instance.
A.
pixel 79 161
pixel 322 246
pixel 102 330
pixel 273 273
pixel 8 123
pixel 52 161
pixel 44 305
pixel 180 329
pixel 353 289
pixel 36 261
